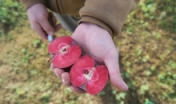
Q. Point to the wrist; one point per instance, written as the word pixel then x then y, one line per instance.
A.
pixel 86 31
pixel 86 27
pixel 97 22
pixel 35 7
pixel 29 3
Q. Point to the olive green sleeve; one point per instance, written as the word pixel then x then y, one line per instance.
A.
pixel 29 3
pixel 71 7
pixel 108 14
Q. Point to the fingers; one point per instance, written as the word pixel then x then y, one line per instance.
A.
pixel 114 72
pixel 77 90
pixel 52 66
pixel 66 79
pixel 46 25
pixel 41 29
pixel 53 21
pixel 52 18
pixel 66 82
pixel 57 27
pixel 58 72
pixel 63 75
pixel 38 29
pixel 41 21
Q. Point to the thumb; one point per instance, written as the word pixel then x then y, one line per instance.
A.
pixel 57 27
pixel 47 27
pixel 114 73
pixel 53 21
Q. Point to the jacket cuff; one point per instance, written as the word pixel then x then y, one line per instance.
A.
pixel 111 14
pixel 97 22
pixel 28 3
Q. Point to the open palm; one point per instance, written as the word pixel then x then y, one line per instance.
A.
pixel 98 43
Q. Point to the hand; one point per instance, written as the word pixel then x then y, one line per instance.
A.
pixel 39 19
pixel 98 43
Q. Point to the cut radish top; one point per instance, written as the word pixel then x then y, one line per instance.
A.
pixel 85 73
pixel 65 52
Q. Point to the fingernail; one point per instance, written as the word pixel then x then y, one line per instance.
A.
pixel 55 71
pixel 58 76
pixel 63 80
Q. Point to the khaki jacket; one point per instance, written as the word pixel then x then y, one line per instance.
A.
pixel 108 14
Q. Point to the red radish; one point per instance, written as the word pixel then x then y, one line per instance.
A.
pixel 65 52
pixel 89 76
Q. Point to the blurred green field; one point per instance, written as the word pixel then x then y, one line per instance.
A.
pixel 147 47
